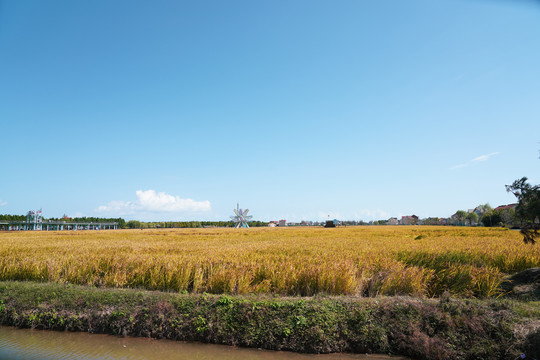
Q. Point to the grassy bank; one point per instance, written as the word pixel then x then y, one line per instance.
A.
pixel 420 328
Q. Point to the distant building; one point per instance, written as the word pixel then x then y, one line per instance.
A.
pixel 393 221
pixel 506 207
pixel 409 220
pixel 282 223
pixel 480 210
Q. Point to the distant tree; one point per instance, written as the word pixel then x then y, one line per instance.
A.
pixel 473 218
pixel 508 217
pixel 483 209
pixel 461 216
pixel 492 218
pixel 432 221
pixel 528 208
pixel 8 217
pixel 121 223
pixel 133 224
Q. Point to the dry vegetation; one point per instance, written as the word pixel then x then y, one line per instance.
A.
pixel 419 261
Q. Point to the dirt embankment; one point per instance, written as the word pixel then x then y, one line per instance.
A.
pixel 524 285
pixel 419 328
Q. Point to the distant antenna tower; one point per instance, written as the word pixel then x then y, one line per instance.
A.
pixel 241 217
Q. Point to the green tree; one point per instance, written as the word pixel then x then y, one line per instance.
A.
pixel 432 221
pixel 461 216
pixel 133 224
pixel 492 218
pixel 473 218
pixel 483 209
pixel 528 208
pixel 508 217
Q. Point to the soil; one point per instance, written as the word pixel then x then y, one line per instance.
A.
pixel 524 285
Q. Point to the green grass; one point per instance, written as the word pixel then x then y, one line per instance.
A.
pixel 446 328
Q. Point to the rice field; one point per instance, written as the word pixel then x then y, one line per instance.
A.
pixel 359 261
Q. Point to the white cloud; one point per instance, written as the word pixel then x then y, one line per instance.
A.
pixel 484 157
pixel 2 202
pixel 458 166
pixel 151 202
pixel 475 160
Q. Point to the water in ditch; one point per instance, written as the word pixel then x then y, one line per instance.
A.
pixel 27 344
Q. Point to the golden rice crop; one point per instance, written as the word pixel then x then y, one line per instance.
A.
pixel 367 261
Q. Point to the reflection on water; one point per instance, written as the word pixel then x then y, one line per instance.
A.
pixel 24 344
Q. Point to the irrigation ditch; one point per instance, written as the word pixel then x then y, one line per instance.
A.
pixel 420 328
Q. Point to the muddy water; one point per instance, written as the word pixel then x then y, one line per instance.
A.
pixel 24 344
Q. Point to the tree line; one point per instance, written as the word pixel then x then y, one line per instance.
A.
pixel 134 224
pixel 89 219
pixel 8 217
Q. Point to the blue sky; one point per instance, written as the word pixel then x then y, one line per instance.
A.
pixel 175 110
